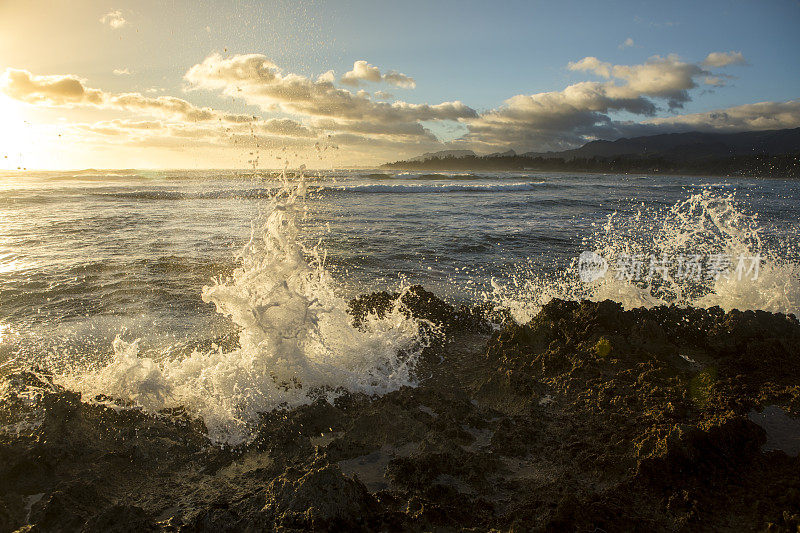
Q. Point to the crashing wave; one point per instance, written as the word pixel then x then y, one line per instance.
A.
pixel 296 339
pixel 710 224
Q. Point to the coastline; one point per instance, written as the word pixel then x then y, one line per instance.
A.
pixel 775 167
pixel 588 416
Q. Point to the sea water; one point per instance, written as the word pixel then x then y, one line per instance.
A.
pixel 226 292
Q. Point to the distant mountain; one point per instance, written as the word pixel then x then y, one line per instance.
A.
pixel 442 154
pixel 773 153
pixel 687 146
pixel 507 153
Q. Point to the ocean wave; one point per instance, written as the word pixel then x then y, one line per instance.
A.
pixel 429 188
pixel 708 224
pixel 156 194
pixel 434 176
pixel 297 340
pixel 268 192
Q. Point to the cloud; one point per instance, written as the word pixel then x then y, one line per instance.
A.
pixel 584 111
pixel 284 127
pixel 325 111
pixel 714 81
pixel 327 77
pixel 592 64
pixel 758 116
pixel 275 128
pixel 723 59
pixel 488 135
pixel 399 79
pixel 49 90
pixel 70 91
pixel 121 126
pixel 661 77
pixel 550 120
pixel 396 131
pixel 114 19
pixel 267 140
pixel 303 113
pixel 216 72
pixel 170 106
pixel 363 71
pixel 258 81
pixel 627 43
pixel 122 72
pixel 271 135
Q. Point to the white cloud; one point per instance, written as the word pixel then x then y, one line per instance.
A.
pixel 363 71
pixel 114 19
pixel 399 79
pixel 584 111
pixel 258 81
pixel 61 90
pixel 558 119
pixel 759 116
pixel 122 72
pixel 328 112
pixel 723 59
pixel 327 77
pixel 309 111
pixel 627 43
pixel 551 120
pixel 661 77
pixel 70 91
pixel 592 64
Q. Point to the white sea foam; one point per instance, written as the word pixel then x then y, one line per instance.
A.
pixel 711 222
pixel 296 339
pixel 436 188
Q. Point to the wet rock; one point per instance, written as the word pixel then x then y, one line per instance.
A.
pixel 12 512
pixel 424 305
pixel 120 519
pixel 319 498
pixel 666 397
pixel 589 417
pixel 68 507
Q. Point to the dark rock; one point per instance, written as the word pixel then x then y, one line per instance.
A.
pixel 424 305
pixel 589 418
pixel 120 519
pixel 68 507
pixel 318 498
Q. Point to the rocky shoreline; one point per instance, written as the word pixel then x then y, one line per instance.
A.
pixel 588 418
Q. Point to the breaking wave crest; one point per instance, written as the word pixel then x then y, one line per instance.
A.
pixel 431 188
pixel 296 339
pixel 711 226
pixel 268 192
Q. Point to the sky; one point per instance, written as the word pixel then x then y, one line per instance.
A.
pixel 140 84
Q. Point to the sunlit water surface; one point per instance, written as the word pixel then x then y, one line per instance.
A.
pixel 86 257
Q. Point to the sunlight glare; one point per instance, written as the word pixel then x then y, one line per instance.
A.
pixel 13 134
